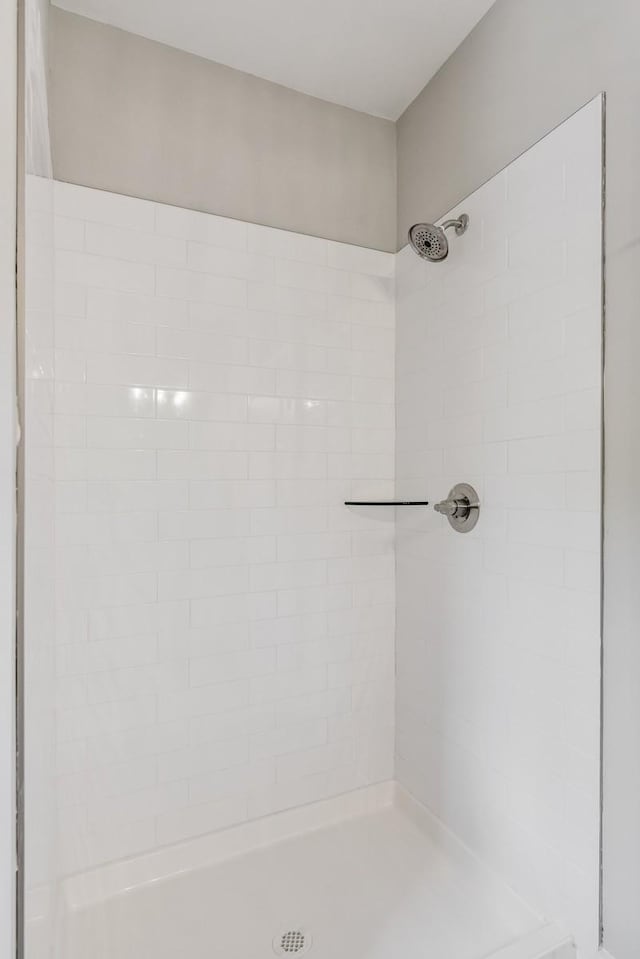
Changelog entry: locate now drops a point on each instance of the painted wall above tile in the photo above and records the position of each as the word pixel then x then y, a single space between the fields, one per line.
pixel 204 136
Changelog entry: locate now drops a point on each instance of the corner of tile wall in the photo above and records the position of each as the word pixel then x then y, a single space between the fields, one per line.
pixel 498 384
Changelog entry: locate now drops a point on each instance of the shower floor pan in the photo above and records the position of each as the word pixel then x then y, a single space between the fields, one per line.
pixel 369 875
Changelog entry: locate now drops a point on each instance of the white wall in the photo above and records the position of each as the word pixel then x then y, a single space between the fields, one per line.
pixel 498 631
pixel 8 118
pixel 142 118
pixel 225 624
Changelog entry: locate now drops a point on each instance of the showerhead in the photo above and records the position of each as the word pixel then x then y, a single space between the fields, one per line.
pixel 430 241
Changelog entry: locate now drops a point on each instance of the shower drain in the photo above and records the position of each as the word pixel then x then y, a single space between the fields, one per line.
pixel 291 942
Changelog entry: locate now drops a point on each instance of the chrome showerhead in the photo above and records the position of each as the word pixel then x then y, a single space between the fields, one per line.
pixel 430 241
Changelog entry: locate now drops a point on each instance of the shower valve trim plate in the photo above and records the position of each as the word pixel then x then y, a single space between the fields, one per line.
pixel 462 507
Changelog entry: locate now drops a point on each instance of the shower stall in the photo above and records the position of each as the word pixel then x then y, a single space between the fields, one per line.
pixel 272 700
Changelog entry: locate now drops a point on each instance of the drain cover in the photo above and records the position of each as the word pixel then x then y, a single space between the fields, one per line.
pixel 291 942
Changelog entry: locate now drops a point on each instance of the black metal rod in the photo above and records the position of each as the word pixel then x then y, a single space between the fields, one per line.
pixel 382 502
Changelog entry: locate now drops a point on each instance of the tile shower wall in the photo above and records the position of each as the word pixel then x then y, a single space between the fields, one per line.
pixel 39 563
pixel 225 624
pixel 498 637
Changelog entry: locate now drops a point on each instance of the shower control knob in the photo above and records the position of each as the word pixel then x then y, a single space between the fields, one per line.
pixel 462 507
pixel 452 507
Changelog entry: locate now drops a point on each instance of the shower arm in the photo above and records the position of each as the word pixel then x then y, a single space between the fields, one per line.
pixel 460 224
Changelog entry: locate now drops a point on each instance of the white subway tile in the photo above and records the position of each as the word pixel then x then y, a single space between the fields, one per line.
pixel 367 287
pixel 102 656
pixel 572 451
pixel 137 495
pixel 225 667
pixel 327 704
pixel 289 794
pixel 278 354
pixel 582 411
pixel 287 465
pixel 141 371
pixel 202 758
pixel 139 618
pixel 100 718
pixel 218 261
pixel 131 682
pixel 103 400
pixel 202 524
pixel 69 233
pixel 114 336
pixel 288 739
pixel 300 655
pixel 118 433
pixel 583 491
pixel 236 781
pixel 269 576
pixel 583 569
pixel 314 328
pixel 203 701
pixel 201 346
pixel 181 644
pixel 293 602
pixel 282 521
pixel 310 439
pixel 107 305
pixel 190 285
pixel 279 686
pixel 138 805
pixel 70 298
pixel 232 551
pixel 70 366
pixel 183 465
pixel 231 379
pixel 134 245
pixel 231 436
pixel 191 584
pixel 310 761
pixel 243 494
pixel 188 405
pixel 272 409
pixel 371 390
pixel 236 724
pixel 280 299
pixel 232 609
pixel 102 464
pixel 93 528
pixel 292 629
pixel 101 272
pixel 306 276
